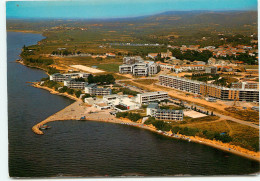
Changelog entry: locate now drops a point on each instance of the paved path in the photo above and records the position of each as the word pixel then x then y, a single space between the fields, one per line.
pixel 222 116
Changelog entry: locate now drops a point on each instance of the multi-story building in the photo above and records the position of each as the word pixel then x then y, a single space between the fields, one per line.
pixel 92 89
pixel 125 69
pixel 163 114
pixel 245 85
pixel 180 83
pixel 75 84
pixel 139 69
pixel 62 77
pixel 185 68
pixel 151 97
pixel 132 60
pixel 211 90
pixel 211 70
pixel 58 77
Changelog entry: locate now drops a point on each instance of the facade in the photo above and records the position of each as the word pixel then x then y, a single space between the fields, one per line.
pixel 245 85
pixel 185 68
pixel 132 60
pixel 58 77
pixel 168 114
pixel 75 84
pixel 139 69
pixel 211 70
pixel 62 77
pixel 125 69
pixel 211 90
pixel 151 97
pixel 92 89
pixel 163 114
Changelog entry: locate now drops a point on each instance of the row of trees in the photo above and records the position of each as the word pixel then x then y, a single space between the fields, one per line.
pixel 132 116
pixel 245 57
pixel 38 61
pixel 65 52
pixel 192 55
pixel 161 125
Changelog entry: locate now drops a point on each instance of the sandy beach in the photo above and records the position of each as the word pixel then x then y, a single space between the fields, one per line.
pixel 79 109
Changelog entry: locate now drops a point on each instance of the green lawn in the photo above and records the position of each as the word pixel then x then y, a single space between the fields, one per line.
pixel 109 67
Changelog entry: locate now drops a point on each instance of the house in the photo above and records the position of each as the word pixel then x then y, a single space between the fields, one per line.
pixel 110 55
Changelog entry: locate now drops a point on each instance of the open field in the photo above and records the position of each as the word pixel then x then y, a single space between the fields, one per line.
pixel 194 114
pixel 109 67
pixel 88 69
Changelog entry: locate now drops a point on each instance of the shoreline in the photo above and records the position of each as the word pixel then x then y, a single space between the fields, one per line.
pixel 25 31
pixel 103 116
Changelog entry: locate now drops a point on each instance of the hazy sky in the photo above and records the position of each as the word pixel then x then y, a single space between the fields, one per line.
pixel 116 8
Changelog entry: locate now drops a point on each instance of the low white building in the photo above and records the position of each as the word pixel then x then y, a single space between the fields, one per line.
pixel 92 89
pixel 139 69
pixel 151 97
pixel 164 114
pixel 124 100
pixel 75 84
pixel 57 77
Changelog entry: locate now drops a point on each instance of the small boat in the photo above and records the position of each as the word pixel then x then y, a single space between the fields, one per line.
pixel 83 118
pixel 45 127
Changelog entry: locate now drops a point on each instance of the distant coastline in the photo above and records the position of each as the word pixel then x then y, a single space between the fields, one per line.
pixel 25 31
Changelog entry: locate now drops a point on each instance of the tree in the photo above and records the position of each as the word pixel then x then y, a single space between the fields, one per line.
pixel 70 91
pixel 78 93
pixel 90 79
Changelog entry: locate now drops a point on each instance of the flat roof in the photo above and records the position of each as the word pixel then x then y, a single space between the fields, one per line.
pixel 153 93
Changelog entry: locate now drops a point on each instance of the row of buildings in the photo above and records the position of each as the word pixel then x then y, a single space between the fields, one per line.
pixel 126 103
pixel 70 80
pixel 246 92
pixel 58 77
pixel 138 67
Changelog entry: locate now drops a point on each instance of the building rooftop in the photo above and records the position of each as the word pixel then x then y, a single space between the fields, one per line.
pixel 153 93
pixel 170 111
pixel 153 106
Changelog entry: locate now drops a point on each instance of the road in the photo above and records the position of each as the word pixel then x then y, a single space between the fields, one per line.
pixel 222 116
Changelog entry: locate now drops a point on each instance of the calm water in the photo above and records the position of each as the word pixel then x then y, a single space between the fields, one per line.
pixel 85 148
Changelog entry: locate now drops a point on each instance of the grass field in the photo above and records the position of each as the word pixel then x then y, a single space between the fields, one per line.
pixel 110 67
pixel 146 81
pixel 242 135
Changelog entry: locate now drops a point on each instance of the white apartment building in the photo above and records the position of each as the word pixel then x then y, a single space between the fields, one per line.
pixel 62 77
pixel 183 84
pixel 132 60
pixel 151 97
pixel 75 84
pixel 140 69
pixel 92 89
pixel 163 114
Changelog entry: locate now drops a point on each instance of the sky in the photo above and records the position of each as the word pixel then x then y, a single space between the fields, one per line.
pixel 94 9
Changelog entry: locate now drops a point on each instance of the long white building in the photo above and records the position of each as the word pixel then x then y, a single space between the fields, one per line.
pixel 151 97
pixel 163 114
pixel 92 89
pixel 140 69
pixel 57 77
pixel 75 84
